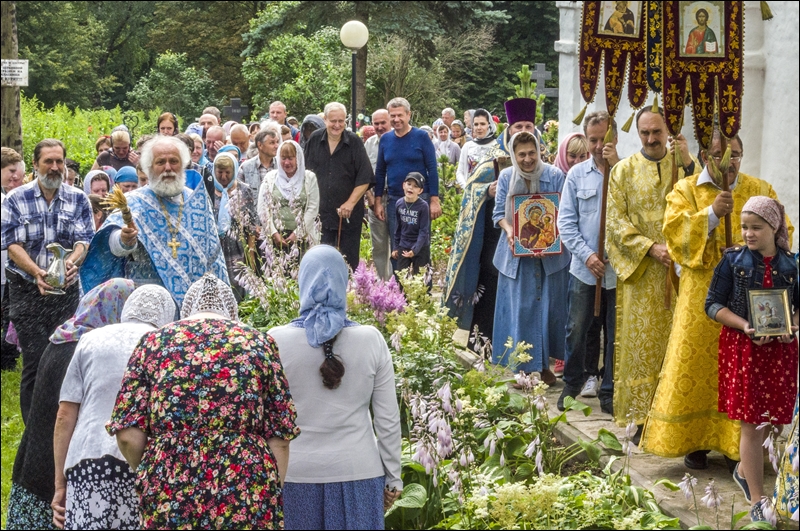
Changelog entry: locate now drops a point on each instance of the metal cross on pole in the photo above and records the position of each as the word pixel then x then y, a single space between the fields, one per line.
pixel 539 76
pixel 236 111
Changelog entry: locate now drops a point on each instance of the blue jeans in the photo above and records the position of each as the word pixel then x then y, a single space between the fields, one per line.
pixel 580 321
pixel 391 219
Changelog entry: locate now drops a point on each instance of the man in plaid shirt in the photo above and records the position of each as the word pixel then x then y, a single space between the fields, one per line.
pixel 35 215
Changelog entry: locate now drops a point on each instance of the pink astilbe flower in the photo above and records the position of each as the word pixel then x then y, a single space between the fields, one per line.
pixel 382 296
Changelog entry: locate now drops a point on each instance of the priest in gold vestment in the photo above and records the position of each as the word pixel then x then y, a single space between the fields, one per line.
pixel 683 419
pixel 637 192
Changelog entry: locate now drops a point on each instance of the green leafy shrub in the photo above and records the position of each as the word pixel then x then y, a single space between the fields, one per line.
pixel 78 129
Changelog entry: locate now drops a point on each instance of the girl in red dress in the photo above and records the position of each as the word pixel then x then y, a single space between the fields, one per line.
pixel 757 375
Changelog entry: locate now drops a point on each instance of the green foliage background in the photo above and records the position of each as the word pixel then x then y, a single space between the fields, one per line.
pixel 460 54
pixel 78 129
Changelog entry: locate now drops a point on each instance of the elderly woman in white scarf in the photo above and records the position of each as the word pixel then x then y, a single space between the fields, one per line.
pixel 235 212
pixel 288 201
pixel 530 291
pixel 445 146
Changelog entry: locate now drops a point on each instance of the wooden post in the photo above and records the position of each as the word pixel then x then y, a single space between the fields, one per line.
pixel 726 187
pixel 601 237
pixel 11 119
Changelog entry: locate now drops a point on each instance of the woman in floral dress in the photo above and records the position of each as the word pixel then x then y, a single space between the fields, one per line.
pixel 205 414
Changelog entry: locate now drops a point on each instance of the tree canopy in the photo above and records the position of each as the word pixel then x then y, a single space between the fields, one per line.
pixel 453 53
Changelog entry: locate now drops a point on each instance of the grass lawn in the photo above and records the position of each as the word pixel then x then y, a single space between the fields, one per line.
pixel 12 431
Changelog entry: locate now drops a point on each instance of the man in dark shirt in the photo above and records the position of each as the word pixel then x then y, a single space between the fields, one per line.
pixel 344 173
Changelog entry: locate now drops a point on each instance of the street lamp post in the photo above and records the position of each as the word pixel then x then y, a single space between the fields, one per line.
pixel 354 35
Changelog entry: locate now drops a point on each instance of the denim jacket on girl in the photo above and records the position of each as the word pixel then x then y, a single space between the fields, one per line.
pixel 740 269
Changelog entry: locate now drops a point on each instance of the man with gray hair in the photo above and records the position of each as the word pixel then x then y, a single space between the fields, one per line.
pixel 448 116
pixel 344 173
pixel 171 240
pixel 253 170
pixel 240 137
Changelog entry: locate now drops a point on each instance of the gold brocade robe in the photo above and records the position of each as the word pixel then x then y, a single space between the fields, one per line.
pixel 637 194
pixel 684 416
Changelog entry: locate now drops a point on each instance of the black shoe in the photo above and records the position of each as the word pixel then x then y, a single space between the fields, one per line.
pixel 696 460
pixel 564 394
pixel 607 407
pixel 637 437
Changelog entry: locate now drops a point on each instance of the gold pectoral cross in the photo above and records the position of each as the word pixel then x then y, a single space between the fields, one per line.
pixel 174 244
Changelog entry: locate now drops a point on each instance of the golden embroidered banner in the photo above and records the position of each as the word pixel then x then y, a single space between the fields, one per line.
pixel 703 49
pixel 654 51
pixel 612 35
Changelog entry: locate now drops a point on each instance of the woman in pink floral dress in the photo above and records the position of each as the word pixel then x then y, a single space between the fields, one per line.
pixel 205 417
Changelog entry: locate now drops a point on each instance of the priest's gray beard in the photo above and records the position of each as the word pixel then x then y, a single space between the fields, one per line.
pixel 51 180
pixel 169 188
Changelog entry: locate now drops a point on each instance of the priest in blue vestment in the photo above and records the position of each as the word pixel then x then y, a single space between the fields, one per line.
pixel 174 241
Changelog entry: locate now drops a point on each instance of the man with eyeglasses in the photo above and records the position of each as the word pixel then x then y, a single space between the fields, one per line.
pixel 683 418
pixel 637 189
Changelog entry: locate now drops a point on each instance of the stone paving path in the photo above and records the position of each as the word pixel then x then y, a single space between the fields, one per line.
pixel 647 469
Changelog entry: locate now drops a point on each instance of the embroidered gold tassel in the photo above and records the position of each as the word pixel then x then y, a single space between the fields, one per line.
pixel 609 134
pixel 714 171
pixel 678 158
pixel 725 163
pixel 654 108
pixel 627 125
pixel 766 12
pixel 579 119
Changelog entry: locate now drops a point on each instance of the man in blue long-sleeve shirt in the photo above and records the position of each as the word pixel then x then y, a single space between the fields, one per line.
pixel 579 225
pixel 404 150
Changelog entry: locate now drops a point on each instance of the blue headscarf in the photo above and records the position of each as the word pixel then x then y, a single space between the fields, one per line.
pixel 323 294
pixel 223 216
pixel 127 174
pixel 230 148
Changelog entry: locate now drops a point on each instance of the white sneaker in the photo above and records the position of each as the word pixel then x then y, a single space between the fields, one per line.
pixel 589 389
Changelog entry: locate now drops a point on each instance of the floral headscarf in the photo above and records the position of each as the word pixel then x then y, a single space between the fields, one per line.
pixel 773 213
pixel 101 306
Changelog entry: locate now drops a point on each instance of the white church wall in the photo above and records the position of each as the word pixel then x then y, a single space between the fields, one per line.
pixel 770 108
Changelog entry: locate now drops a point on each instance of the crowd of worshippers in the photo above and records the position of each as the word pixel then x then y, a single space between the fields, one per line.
pixel 672 353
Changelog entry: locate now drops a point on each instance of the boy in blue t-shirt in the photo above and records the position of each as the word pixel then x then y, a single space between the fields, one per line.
pixel 411 240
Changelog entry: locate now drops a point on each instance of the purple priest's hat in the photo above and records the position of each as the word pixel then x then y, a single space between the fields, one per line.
pixel 520 110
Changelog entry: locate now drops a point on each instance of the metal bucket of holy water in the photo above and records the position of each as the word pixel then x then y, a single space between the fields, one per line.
pixel 57 271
